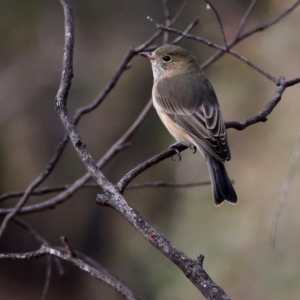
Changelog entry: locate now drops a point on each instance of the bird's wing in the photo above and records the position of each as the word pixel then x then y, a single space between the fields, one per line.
pixel 196 109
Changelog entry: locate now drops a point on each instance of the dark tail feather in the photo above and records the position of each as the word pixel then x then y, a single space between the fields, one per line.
pixel 221 185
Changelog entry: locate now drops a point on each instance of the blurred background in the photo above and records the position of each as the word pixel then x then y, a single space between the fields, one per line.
pixel 233 239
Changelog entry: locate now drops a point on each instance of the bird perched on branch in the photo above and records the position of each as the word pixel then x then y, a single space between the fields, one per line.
pixel 187 105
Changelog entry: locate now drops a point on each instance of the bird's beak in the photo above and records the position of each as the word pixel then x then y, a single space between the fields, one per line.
pixel 147 55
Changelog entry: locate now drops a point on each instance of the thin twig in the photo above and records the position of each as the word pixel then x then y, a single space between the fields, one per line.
pixel 44 191
pixel 187 30
pixel 285 190
pixel 244 19
pixel 49 190
pixel 167 20
pixel 39 238
pixel 67 246
pixel 164 184
pixel 241 37
pixel 180 11
pixel 219 22
pixel 223 49
pixel 273 21
pixel 42 241
pixel 31 230
pixel 47 278
pixel 37 192
pixel 262 115
pixel 30 189
pixel 146 165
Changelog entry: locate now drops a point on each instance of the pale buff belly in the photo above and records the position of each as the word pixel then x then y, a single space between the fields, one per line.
pixel 176 130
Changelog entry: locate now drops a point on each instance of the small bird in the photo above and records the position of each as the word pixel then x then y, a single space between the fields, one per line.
pixel 188 106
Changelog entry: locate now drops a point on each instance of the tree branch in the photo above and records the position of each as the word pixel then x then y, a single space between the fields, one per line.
pixel 146 165
pixel 245 19
pixel 193 269
pixel 99 274
pixel 29 190
pixel 262 115
pixel 219 22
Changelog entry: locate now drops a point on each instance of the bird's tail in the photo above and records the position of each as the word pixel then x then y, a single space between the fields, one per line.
pixel 221 185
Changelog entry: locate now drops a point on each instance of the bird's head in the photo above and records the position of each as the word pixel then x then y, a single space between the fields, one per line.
pixel 170 60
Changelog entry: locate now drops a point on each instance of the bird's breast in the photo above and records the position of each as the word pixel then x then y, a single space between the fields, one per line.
pixel 176 130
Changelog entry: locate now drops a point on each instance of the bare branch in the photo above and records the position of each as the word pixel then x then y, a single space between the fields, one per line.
pixel 42 241
pixel 47 278
pixel 31 230
pixel 146 165
pixel 187 30
pixel 91 270
pixel 38 192
pixel 69 254
pixel 31 188
pixel 167 20
pixel 61 101
pixel 180 11
pixel 244 19
pixel 193 269
pixel 262 115
pixel 67 246
pixel 219 22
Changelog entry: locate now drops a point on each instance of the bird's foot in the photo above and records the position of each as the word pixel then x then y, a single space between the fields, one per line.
pixel 174 148
pixel 194 148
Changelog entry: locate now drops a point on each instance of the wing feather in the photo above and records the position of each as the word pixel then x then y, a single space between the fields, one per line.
pixel 195 109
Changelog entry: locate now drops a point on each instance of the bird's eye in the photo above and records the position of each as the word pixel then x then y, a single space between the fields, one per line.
pixel 166 58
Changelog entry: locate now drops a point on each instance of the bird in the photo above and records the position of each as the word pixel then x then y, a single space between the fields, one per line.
pixel 188 107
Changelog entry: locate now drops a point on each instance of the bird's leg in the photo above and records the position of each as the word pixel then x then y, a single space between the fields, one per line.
pixel 174 148
pixel 194 148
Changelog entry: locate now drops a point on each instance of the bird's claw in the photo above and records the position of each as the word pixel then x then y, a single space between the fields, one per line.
pixel 174 148
pixel 194 148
